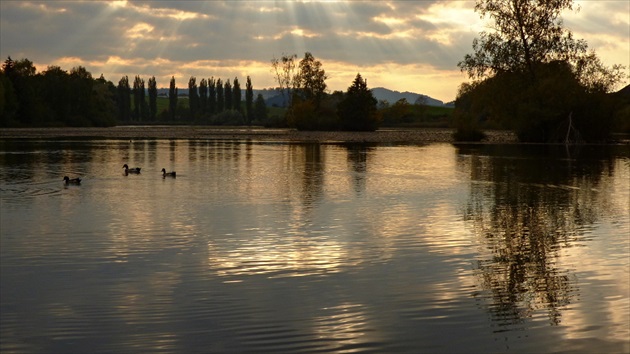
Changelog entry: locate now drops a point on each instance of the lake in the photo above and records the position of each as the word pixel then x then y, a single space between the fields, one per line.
pixel 271 246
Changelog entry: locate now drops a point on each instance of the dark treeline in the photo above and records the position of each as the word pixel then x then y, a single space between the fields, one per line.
pixel 56 97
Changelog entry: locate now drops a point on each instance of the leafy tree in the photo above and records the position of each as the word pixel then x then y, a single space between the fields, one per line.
pixel 397 113
pixel 220 96
pixel 103 112
pixel 24 68
pixel 21 73
pixel 172 98
pixel 305 110
pixel 284 70
pixel 54 97
pixel 249 100
pixel 56 93
pixel 311 79
pixel 81 84
pixel 152 88
pixel 236 95
pixel 516 61
pixel 357 110
pixel 8 102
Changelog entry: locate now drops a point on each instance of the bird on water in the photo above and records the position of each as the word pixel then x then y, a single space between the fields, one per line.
pixel 131 170
pixel 168 174
pixel 67 180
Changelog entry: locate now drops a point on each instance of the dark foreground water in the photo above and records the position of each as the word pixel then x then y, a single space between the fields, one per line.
pixel 277 247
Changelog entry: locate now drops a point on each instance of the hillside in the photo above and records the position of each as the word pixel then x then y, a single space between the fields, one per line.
pixel 392 96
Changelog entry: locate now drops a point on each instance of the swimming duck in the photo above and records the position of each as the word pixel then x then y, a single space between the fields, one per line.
pixel 67 180
pixel 131 170
pixel 168 174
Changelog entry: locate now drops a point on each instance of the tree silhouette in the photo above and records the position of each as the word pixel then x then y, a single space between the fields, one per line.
pixel 357 110
pixel 249 100
pixel 236 95
pixel 203 97
pixel 260 109
pixel 212 96
pixel 543 83
pixel 220 96
pixel 138 98
pixel 227 94
pixel 172 98
pixel 124 99
pixel 152 89
pixel 193 98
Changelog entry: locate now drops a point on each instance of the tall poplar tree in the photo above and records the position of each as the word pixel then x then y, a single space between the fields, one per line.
pixel 227 94
pixel 236 95
pixel 212 96
pixel 220 99
pixel 124 99
pixel 138 98
pixel 260 109
pixel 193 97
pixel 172 98
pixel 152 98
pixel 203 97
pixel 249 100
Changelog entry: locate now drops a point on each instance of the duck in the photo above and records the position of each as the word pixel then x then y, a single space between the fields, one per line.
pixel 168 174
pixel 131 170
pixel 67 180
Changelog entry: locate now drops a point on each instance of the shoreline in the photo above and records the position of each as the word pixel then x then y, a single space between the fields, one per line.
pixel 404 135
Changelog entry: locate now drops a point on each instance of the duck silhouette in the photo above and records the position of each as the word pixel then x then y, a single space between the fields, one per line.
pixel 131 170
pixel 168 174
pixel 67 180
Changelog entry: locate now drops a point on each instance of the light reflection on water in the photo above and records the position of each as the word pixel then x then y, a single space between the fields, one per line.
pixel 278 247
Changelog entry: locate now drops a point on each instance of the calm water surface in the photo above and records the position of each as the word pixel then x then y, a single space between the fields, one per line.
pixel 278 247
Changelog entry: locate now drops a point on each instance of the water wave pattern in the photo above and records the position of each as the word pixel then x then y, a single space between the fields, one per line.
pixel 309 248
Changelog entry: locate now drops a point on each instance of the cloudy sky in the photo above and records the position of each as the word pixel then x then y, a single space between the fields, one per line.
pixel 411 45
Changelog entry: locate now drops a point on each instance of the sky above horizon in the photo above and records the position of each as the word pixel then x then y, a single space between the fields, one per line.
pixel 411 45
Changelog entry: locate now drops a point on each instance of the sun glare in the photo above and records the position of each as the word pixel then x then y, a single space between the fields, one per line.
pixel 390 21
pixel 453 14
pixel 117 4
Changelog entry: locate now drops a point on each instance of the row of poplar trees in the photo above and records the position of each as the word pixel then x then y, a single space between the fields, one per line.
pixel 56 97
pixel 212 101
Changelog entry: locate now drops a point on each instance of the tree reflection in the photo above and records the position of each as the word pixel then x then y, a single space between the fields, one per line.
pixel 526 204
pixel 308 161
pixel 358 159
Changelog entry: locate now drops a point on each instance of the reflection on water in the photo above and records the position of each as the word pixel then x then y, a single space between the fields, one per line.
pixel 278 247
pixel 531 209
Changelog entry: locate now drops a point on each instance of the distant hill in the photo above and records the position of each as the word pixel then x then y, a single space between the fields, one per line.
pixel 392 96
